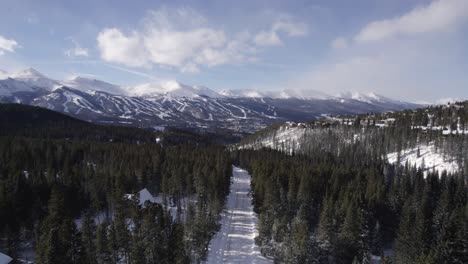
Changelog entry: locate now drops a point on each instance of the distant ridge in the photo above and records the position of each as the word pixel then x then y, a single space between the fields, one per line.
pixel 173 104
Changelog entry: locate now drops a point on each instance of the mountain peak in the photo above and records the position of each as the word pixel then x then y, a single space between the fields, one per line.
pixel 29 73
pixel 90 84
pixel 34 78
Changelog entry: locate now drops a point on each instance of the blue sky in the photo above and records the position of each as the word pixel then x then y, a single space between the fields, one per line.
pixel 408 49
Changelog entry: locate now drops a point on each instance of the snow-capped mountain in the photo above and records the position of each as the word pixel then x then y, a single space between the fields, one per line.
pixel 172 88
pixel 36 79
pixel 364 97
pixel 372 98
pixel 91 85
pixel 174 104
pixel 10 86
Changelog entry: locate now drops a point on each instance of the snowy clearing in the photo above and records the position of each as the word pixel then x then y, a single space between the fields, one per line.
pixel 285 138
pixel 235 241
pixel 428 158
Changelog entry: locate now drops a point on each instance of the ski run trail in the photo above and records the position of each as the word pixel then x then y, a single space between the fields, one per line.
pixel 234 242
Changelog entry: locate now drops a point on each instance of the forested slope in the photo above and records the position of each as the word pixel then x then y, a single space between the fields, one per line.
pixel 54 169
pixel 326 192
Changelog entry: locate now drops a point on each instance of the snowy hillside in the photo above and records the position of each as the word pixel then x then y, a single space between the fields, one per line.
pixel 36 79
pixel 10 86
pixel 287 138
pixel 90 85
pixel 425 157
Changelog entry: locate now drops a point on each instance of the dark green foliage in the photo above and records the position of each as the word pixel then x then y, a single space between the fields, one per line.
pixel 47 181
pixel 337 200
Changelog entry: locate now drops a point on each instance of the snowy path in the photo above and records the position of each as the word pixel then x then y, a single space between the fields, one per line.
pixel 234 243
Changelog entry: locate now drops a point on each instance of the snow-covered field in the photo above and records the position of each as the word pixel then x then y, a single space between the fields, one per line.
pixel 428 158
pixel 234 242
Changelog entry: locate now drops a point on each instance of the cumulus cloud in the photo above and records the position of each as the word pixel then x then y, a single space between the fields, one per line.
pixel 181 38
pixel 176 38
pixel 77 50
pixel 7 45
pixel 284 25
pixel 117 47
pixel 438 16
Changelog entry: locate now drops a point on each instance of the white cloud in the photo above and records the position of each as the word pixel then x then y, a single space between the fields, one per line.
pixel 177 38
pixel 119 48
pixel 8 45
pixel 439 16
pixel 181 38
pixel 284 25
pixel 268 38
pixel 339 43
pixel 76 51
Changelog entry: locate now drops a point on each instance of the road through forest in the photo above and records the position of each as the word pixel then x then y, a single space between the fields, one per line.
pixel 234 242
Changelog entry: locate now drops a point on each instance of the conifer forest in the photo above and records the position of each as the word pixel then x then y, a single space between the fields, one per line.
pixel 325 191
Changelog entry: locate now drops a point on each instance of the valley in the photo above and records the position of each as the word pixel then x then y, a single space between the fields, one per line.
pixel 290 193
pixel 234 132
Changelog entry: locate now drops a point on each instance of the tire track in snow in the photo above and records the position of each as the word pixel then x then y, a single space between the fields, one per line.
pixel 235 241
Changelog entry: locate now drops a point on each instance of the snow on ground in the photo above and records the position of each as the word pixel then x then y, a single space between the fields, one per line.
pixel 234 242
pixel 143 196
pixel 286 138
pixel 4 259
pixel 428 157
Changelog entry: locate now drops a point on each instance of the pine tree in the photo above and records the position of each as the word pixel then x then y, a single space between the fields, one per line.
pixel 59 238
pixel 103 254
pixel 88 229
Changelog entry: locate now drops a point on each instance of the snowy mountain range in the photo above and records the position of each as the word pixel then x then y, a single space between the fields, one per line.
pixel 171 103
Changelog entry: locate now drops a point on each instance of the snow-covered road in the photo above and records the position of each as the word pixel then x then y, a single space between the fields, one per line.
pixel 234 243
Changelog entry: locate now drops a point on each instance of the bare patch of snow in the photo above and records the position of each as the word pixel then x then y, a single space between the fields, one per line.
pixel 4 259
pixel 428 159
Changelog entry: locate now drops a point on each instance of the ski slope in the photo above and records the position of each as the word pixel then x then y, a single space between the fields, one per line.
pixel 234 242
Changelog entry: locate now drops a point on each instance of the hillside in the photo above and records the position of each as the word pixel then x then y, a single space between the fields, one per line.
pixel 438 132
pixel 373 188
pixel 38 122
pixel 60 171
